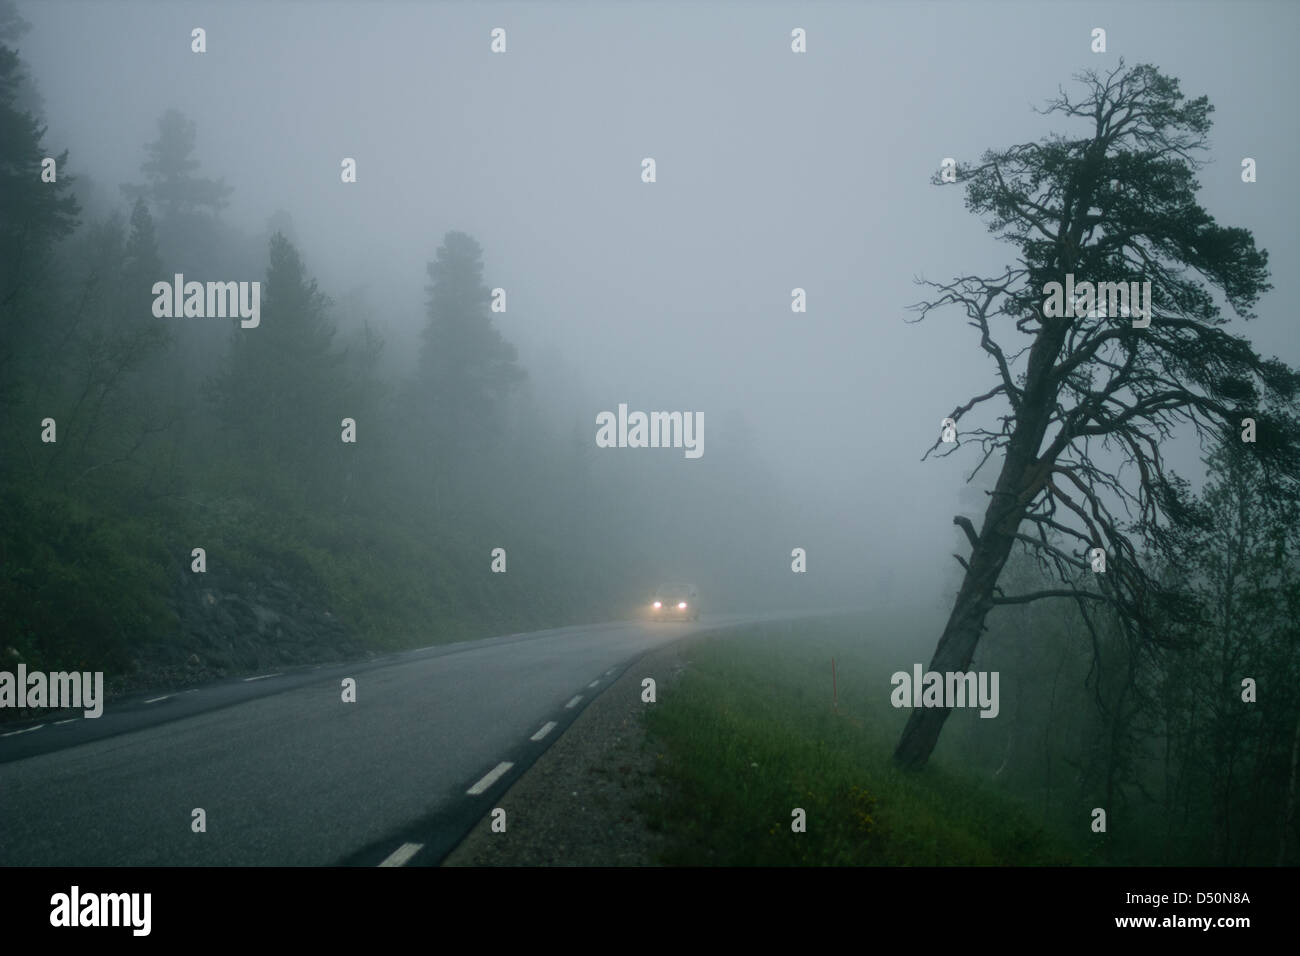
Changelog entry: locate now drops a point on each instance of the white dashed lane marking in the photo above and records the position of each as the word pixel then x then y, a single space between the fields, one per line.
pixel 546 729
pixel 403 853
pixel 492 777
pixel 261 677
pixel 15 733
pixel 593 683
pixel 573 703
pixel 154 700
pixel 68 721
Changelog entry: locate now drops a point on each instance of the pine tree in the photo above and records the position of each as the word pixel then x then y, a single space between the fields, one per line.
pixel 1114 204
pixel 170 184
pixel 466 368
pixel 34 216
pixel 275 391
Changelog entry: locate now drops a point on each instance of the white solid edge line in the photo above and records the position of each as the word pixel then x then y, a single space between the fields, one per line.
pixel 546 729
pixel 155 700
pixel 262 677
pixel 403 853
pixel 573 703
pixel 15 733
pixel 490 778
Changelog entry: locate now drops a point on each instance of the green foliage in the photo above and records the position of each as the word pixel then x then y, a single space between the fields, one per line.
pixel 1190 774
pixel 749 734
pixel 276 387
pixel 34 215
pixel 80 586
pixel 1229 763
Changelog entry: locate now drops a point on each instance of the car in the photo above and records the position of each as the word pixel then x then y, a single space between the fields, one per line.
pixel 675 602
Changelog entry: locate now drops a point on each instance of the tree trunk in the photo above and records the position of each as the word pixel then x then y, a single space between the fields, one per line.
pixel 966 623
pixel 1023 475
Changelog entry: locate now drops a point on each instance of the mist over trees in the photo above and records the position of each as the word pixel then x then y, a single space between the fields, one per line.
pixel 183 498
pixel 181 433
pixel 1190 745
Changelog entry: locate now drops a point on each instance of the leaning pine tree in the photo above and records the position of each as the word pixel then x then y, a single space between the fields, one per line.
pixel 1087 398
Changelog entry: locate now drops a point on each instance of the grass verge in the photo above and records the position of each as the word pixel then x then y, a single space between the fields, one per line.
pixel 748 735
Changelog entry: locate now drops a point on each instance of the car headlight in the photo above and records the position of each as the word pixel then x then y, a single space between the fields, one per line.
pixel 658 604
pixel 681 606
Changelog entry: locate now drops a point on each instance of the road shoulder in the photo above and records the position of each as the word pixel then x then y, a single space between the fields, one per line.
pixel 578 804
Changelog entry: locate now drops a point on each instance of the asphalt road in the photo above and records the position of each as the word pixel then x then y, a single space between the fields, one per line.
pixel 289 774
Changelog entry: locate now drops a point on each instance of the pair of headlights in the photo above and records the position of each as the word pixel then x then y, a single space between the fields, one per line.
pixel 681 605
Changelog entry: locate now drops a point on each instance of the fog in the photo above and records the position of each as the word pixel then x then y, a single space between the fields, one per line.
pixel 660 424
pixel 775 171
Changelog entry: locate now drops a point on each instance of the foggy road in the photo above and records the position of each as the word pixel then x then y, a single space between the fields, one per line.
pixel 288 774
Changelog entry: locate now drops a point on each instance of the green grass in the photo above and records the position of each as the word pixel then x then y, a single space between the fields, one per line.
pixel 748 734
pixel 88 583
pixel 79 584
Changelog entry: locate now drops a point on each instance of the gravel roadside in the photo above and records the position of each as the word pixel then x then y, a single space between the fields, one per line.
pixel 576 806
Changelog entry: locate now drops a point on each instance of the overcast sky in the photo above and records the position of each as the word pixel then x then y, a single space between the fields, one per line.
pixel 775 170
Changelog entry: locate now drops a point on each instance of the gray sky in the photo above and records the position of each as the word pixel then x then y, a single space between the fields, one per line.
pixel 775 170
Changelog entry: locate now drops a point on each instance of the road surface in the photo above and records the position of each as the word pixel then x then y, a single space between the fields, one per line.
pixel 288 774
